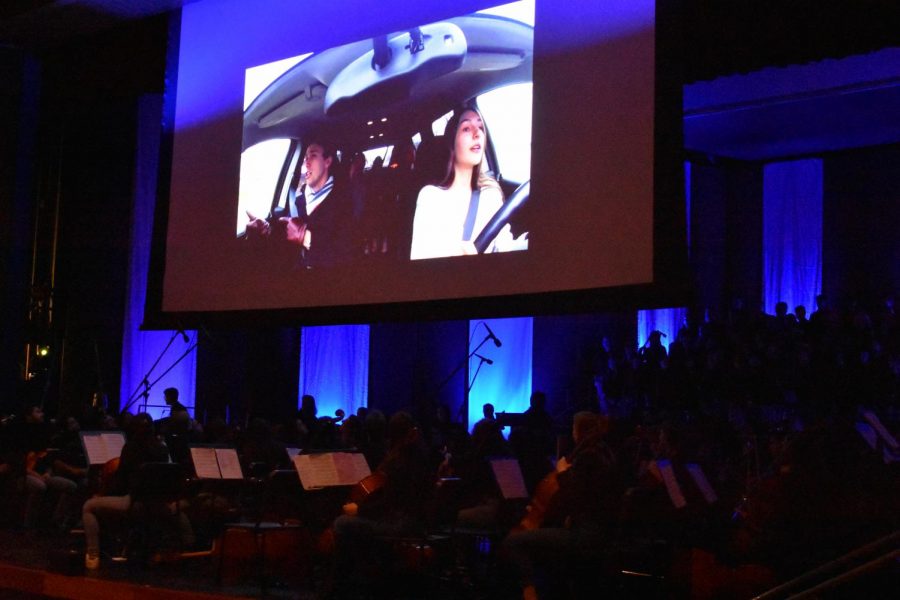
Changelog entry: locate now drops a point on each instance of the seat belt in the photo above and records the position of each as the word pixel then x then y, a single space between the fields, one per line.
pixel 469 225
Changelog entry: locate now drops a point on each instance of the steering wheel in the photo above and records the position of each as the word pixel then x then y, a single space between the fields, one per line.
pixel 515 201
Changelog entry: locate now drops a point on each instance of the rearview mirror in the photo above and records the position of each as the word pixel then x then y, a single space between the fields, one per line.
pixel 407 60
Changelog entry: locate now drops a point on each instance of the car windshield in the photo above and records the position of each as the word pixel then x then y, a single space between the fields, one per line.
pixel 508 112
pixel 522 11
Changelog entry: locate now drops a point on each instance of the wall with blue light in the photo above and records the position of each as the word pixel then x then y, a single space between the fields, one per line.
pixel 162 359
pixel 668 321
pixel 792 233
pixel 506 381
pixel 334 367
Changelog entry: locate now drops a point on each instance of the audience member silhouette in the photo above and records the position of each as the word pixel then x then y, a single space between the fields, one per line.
pixel 539 424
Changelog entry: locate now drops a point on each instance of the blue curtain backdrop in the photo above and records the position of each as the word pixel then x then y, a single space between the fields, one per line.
pixel 507 382
pixel 666 320
pixel 334 367
pixel 140 349
pixel 792 233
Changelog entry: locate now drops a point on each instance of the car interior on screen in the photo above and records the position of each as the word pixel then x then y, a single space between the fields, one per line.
pixel 381 106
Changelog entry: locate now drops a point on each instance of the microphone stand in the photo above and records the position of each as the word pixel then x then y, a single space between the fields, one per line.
pixel 146 384
pixel 481 361
pixel 464 408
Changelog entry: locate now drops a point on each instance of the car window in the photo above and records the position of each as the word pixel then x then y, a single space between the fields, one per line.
pixel 261 165
pixel 256 79
pixel 372 153
pixel 440 124
pixel 507 112
pixel 523 11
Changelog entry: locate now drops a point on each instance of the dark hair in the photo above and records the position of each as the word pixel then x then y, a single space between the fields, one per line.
pixel 308 404
pixel 400 428
pixel 140 429
pixel 480 179
pixel 328 150
pixel 585 424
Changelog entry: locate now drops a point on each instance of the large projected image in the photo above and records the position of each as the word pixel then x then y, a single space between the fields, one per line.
pixel 393 157
pixel 359 162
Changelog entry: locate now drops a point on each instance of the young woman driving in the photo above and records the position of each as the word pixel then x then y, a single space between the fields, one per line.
pixel 450 215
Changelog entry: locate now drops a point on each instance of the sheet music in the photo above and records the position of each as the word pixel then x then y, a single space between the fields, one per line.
pixel 350 467
pixel 94 449
pixel 205 464
pixel 316 470
pixel 875 422
pixel 668 477
pixel 114 442
pixel 361 468
pixel 229 463
pixel 102 447
pixel 509 477
pixel 702 482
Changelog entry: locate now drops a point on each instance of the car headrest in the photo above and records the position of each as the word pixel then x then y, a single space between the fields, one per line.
pixel 431 160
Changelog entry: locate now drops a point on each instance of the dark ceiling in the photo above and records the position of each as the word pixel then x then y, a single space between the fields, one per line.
pixel 721 36
pixel 95 45
pixel 39 25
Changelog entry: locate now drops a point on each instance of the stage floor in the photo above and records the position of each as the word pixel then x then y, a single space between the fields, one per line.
pixel 27 571
pixel 33 567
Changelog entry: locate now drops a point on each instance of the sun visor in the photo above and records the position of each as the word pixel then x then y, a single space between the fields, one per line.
pixel 406 60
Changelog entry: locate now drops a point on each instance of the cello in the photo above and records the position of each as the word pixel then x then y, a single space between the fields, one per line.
pixel 359 494
pixel 539 506
pixel 367 487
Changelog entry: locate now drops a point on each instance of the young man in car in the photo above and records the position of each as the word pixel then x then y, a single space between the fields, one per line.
pixel 318 220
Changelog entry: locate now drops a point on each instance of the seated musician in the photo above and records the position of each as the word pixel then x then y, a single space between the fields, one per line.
pixel 397 508
pixel 481 497
pixel 143 446
pixel 375 445
pixel 830 495
pixel 70 460
pixel 580 516
pixel 31 457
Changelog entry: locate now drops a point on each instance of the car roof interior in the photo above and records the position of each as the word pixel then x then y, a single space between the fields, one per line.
pixel 293 105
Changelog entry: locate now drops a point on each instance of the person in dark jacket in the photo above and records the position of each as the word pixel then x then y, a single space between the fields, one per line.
pixel 318 221
pixel 580 516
